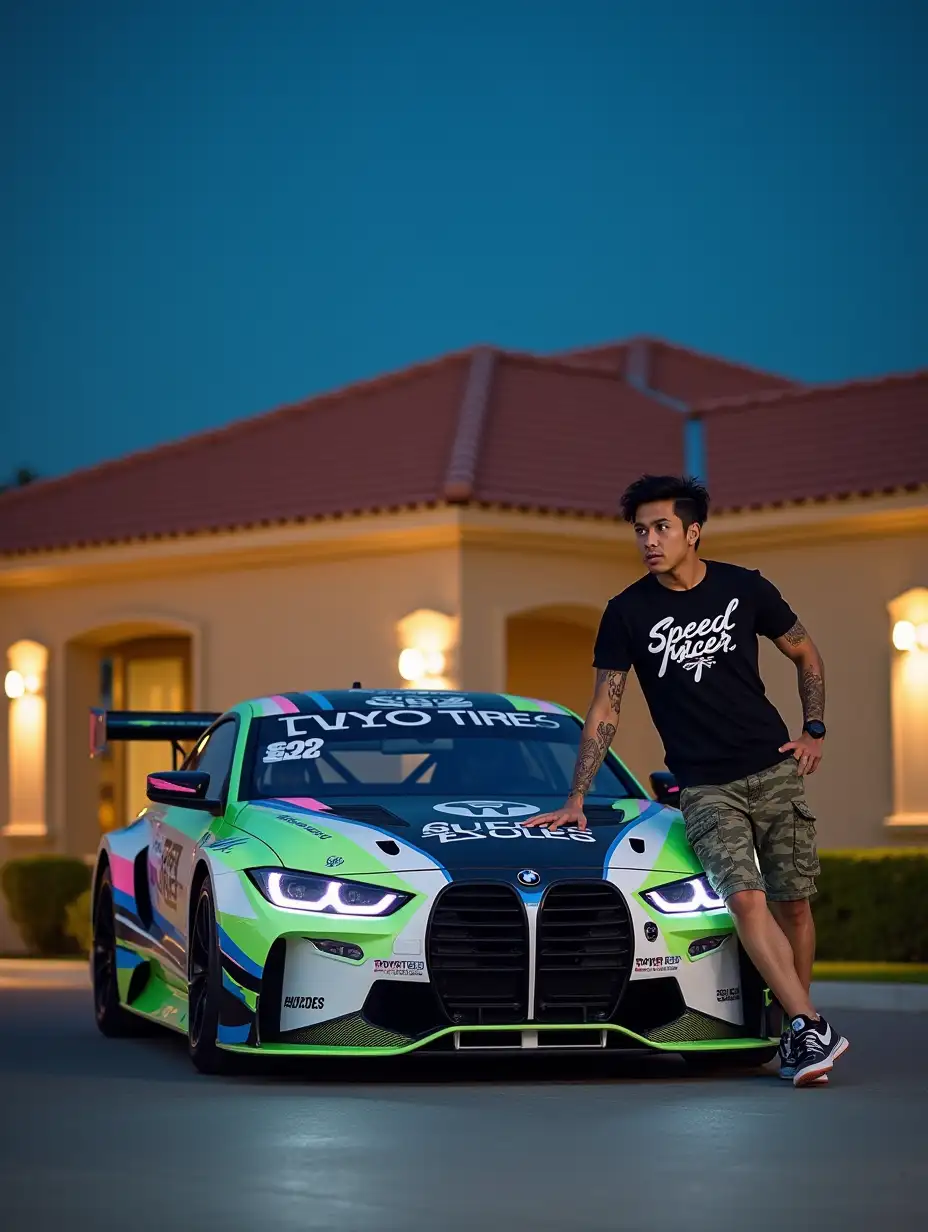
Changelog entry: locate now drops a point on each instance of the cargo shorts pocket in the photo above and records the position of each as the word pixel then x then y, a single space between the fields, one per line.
pixel 805 851
pixel 705 835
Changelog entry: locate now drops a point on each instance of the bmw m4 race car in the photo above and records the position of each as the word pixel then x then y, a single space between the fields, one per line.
pixel 350 873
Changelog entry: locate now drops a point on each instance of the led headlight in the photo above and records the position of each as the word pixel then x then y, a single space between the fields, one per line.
pixel 325 895
pixel 690 897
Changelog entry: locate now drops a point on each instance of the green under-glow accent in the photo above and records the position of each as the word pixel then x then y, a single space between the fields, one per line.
pixel 162 1003
pixel 724 1045
pixel 521 703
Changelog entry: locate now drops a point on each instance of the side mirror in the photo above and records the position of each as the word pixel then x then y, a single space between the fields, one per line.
pixel 665 787
pixel 183 789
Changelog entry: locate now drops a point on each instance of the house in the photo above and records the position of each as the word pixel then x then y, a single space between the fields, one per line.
pixel 455 525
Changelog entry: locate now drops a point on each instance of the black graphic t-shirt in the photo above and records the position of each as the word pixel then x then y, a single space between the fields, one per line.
pixel 695 654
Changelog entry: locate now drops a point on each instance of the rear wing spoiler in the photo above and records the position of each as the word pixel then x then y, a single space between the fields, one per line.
pixel 173 725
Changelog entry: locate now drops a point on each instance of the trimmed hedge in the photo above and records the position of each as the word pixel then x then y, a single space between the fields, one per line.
pixel 78 923
pixel 38 891
pixel 872 905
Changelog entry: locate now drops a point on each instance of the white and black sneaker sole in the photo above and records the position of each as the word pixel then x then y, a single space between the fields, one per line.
pixel 811 1074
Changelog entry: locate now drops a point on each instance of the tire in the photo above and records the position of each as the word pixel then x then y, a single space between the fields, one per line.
pixel 726 1062
pixel 204 989
pixel 113 1020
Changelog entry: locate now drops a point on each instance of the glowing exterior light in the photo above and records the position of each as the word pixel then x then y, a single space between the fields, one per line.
pixel 904 635
pixel 412 663
pixel 14 685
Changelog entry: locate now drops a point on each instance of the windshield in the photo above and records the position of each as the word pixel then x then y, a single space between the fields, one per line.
pixel 381 753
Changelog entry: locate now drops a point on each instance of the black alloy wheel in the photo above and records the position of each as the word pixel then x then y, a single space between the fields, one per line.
pixel 204 989
pixel 113 1019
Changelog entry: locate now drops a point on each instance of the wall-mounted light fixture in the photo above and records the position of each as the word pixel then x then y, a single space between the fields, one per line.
pixel 428 639
pixel 24 685
pixel 15 684
pixel 908 636
pixel 908 614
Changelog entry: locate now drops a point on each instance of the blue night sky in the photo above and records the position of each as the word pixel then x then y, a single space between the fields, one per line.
pixel 217 207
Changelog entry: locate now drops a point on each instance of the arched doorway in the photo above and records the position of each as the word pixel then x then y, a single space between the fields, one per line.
pixel 549 654
pixel 132 665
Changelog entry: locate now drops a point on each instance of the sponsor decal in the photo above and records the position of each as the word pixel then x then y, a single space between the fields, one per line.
pixel 651 931
pixel 167 873
pixel 303 825
pixel 652 965
pixel 221 844
pixel 486 808
pixel 693 646
pixel 304 1003
pixel 528 877
pixel 457 832
pixel 400 968
pixel 301 726
pixel 419 701
pixel 728 994
pixel 334 862
pixel 293 750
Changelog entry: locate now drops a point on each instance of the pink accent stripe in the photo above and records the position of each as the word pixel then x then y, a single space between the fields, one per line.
pixel 547 707
pixel 122 873
pixel 166 786
pixel 286 706
pixel 306 802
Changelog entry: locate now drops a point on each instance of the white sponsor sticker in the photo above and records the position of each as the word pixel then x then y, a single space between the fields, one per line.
pixel 399 969
pixel 302 725
pixel 456 832
pixel 293 750
pixel 484 809
pixel 657 966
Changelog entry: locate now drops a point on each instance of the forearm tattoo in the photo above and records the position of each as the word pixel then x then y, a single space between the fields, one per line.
pixel 812 693
pixel 615 683
pixel 796 634
pixel 592 752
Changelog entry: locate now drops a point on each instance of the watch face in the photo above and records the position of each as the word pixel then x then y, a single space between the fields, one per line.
pixel 815 729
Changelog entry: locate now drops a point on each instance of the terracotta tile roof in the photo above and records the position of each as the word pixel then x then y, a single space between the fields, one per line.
pixel 376 445
pixel 678 372
pixel 563 439
pixel 483 426
pixel 854 438
pixel 480 425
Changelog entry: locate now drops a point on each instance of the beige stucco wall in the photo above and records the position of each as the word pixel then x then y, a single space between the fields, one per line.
pixel 256 630
pixel 841 590
pixel 302 613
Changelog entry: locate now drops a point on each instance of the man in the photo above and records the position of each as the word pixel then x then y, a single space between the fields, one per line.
pixel 689 628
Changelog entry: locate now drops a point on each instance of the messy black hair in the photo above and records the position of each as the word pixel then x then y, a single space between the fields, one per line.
pixel 690 498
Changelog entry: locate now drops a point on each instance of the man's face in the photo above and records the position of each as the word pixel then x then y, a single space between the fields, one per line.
pixel 660 536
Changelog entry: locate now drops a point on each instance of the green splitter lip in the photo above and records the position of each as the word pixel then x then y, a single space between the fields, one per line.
pixel 740 1044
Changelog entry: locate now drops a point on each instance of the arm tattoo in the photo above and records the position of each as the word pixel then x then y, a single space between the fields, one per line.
pixel 796 634
pixel 592 752
pixel 812 692
pixel 615 682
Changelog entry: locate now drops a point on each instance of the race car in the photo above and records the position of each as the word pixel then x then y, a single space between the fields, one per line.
pixel 350 873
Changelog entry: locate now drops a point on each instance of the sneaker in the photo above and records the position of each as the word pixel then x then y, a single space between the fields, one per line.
pixel 817 1047
pixel 788 1058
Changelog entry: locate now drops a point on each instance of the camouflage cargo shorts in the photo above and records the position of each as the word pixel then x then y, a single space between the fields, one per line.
pixel 766 812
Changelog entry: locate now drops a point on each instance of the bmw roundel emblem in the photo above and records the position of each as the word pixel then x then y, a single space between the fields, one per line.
pixel 528 877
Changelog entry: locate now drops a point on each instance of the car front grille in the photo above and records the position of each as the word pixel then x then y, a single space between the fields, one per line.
pixel 583 952
pixel 478 954
pixel 478 951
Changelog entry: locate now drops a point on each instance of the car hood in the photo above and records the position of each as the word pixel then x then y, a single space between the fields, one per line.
pixel 363 837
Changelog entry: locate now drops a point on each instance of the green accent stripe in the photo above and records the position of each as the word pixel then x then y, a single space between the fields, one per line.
pixel 716 1045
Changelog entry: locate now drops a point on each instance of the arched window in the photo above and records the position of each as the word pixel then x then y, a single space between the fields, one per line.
pixel 909 683
pixel 24 685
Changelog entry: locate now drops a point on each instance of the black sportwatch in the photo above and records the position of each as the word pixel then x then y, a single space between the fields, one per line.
pixel 815 728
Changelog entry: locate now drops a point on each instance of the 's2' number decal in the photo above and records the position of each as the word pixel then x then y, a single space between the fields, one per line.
pixel 293 750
